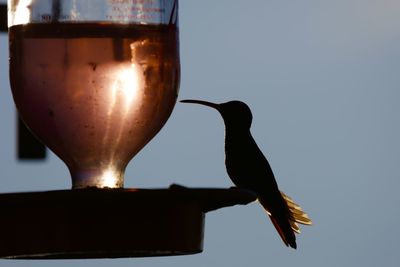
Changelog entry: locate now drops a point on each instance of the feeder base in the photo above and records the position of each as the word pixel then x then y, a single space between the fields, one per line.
pixel 109 223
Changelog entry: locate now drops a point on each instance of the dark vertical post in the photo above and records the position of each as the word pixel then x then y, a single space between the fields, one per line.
pixel 28 146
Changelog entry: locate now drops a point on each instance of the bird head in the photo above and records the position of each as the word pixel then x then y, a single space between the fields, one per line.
pixel 236 114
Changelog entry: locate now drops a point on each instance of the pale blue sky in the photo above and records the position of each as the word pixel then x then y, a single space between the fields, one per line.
pixel 323 81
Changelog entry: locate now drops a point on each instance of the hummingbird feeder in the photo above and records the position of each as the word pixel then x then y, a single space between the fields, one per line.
pixel 95 83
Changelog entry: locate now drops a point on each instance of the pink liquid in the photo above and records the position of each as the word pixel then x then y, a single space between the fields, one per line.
pixel 94 93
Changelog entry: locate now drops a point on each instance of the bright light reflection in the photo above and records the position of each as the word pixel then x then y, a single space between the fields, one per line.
pixel 110 178
pixel 22 13
pixel 127 82
pixel 128 79
pixel 125 96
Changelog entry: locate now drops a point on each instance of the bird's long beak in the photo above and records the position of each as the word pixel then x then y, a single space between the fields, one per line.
pixel 201 102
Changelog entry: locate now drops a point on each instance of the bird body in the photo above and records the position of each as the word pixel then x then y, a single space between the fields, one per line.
pixel 248 168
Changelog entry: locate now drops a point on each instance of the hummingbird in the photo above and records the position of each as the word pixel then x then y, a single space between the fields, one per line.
pixel 249 169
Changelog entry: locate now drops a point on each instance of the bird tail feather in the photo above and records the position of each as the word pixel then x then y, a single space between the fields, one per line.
pixel 282 233
pixel 286 224
pixel 297 215
pixel 281 218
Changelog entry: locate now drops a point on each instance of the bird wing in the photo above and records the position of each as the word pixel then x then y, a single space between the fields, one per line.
pixel 297 215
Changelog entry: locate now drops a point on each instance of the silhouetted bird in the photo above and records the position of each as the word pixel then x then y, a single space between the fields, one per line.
pixel 248 168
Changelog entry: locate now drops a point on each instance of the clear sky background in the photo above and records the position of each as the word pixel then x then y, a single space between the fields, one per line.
pixel 323 81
